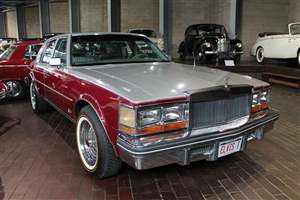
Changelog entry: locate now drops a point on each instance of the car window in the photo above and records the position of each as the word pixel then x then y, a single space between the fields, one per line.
pixel 8 53
pixel 48 52
pixel 32 50
pixel 107 49
pixel 60 50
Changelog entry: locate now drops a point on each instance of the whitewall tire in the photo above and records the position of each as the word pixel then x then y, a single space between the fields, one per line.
pixel 96 152
pixel 260 58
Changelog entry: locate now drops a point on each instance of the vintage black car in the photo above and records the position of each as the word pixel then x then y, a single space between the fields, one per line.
pixel 210 42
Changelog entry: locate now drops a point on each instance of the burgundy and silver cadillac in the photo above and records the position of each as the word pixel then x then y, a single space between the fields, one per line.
pixel 131 104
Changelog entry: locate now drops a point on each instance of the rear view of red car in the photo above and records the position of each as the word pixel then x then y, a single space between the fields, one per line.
pixel 15 65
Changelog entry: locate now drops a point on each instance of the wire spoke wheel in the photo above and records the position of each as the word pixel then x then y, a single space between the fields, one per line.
pixel 87 143
pixel 14 88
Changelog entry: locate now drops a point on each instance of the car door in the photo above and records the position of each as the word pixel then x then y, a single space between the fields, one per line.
pixel 279 46
pixel 41 68
pixel 56 79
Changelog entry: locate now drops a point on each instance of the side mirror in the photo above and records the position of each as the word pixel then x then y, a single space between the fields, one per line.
pixel 56 62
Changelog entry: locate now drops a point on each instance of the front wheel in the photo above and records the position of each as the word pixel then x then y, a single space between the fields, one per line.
pixel 15 89
pixel 237 60
pixel 260 55
pixel 96 153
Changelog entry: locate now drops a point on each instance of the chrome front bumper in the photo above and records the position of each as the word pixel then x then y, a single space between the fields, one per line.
pixel 190 149
pixel 234 53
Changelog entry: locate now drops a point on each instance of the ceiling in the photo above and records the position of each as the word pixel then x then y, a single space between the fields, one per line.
pixel 6 5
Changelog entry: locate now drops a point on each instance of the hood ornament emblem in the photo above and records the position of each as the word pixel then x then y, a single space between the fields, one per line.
pixel 226 80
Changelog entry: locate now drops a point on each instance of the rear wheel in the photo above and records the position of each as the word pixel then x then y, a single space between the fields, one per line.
pixel 38 104
pixel 260 55
pixel 96 153
pixel 237 60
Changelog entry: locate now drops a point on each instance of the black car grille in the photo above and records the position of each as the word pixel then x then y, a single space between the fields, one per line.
pixel 223 45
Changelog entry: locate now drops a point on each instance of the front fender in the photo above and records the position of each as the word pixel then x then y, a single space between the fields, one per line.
pixel 95 104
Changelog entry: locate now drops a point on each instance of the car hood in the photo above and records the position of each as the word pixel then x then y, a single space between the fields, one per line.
pixel 143 82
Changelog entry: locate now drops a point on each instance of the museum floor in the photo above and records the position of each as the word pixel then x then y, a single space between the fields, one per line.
pixel 38 160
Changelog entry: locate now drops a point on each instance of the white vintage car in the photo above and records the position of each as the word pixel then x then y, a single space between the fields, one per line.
pixel 278 45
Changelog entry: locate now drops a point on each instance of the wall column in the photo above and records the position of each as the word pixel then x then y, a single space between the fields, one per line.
pixel 165 22
pixel 2 25
pixel 21 29
pixel 114 15
pixel 74 15
pixel 233 19
pixel 44 17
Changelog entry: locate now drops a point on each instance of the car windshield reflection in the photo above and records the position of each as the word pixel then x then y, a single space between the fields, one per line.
pixel 106 49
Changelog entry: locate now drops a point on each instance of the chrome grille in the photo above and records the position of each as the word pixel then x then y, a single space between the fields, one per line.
pixel 222 113
pixel 223 45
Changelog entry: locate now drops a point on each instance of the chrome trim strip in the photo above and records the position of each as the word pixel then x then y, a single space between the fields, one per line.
pixel 198 142
pixel 68 98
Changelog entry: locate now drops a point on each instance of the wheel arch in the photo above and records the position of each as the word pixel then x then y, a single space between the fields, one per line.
pixel 87 100
pixel 256 50
pixel 298 52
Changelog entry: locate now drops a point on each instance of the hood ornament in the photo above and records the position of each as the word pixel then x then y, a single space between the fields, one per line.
pixel 226 80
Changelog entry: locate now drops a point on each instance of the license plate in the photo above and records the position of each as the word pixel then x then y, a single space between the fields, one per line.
pixel 229 147
pixel 229 63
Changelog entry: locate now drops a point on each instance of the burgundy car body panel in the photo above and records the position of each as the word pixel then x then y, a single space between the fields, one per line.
pixel 66 91
pixel 17 67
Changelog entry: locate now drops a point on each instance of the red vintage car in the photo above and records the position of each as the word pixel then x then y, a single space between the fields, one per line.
pixel 15 65
pixel 131 103
pixel 2 91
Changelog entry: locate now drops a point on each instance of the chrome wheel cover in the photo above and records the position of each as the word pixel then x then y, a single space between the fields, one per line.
pixel 32 96
pixel 299 58
pixel 14 88
pixel 87 143
pixel 260 55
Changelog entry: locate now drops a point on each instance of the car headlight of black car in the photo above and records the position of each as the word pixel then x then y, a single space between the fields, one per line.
pixel 207 44
pixel 239 45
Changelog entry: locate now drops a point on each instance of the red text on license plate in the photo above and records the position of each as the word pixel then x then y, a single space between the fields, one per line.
pixel 229 147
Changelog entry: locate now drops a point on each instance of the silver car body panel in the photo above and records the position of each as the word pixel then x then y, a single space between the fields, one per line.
pixel 143 82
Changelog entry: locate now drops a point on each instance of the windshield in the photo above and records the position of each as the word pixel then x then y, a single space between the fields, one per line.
pixel 106 49
pixel 211 29
pixel 8 53
pixel 148 33
pixel 295 29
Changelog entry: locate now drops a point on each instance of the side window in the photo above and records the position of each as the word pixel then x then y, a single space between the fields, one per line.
pixel 60 50
pixel 32 51
pixel 47 54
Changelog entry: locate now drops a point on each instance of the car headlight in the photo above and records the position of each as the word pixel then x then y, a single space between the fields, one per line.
pixel 260 100
pixel 207 44
pixel 149 117
pixel 153 120
pixel 239 45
